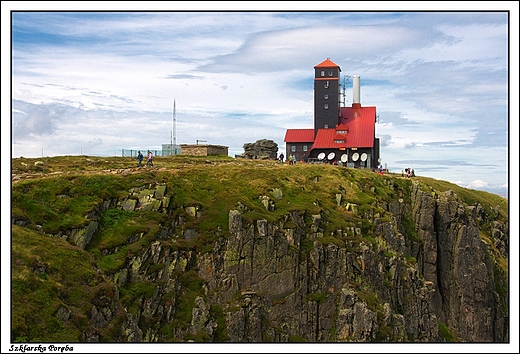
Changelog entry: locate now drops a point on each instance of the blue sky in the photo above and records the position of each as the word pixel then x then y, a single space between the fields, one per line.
pixel 95 83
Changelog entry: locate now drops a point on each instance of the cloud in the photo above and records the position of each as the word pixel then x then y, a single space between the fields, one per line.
pixel 477 184
pixel 184 76
pixel 384 139
pixel 300 45
pixel 107 81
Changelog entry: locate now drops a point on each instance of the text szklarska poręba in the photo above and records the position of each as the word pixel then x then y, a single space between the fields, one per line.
pixel 26 348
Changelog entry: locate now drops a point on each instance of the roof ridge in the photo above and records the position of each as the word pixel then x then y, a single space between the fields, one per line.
pixel 327 64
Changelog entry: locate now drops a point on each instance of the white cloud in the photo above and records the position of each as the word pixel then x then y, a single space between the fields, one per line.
pixel 477 184
pixel 438 80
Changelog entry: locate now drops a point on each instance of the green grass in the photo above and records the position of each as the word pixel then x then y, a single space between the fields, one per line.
pixel 72 190
pixel 68 279
pixel 446 333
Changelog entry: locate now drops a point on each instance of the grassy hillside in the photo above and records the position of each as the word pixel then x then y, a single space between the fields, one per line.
pixel 66 191
pixel 42 194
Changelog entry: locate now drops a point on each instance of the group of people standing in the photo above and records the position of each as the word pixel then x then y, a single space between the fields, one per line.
pixel 407 172
pixel 292 158
pixel 140 157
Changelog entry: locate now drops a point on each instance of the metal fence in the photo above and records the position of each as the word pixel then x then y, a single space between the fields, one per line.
pixel 133 152
pixel 166 151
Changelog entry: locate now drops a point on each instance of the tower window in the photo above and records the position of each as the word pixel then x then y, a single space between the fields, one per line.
pixel 330 73
pixel 326 106
pixel 326 96
pixel 326 84
pixel 322 73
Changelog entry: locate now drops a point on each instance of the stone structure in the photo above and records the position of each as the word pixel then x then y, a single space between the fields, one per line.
pixel 261 149
pixel 203 150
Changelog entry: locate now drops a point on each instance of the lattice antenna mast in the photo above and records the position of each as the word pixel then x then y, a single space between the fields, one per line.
pixel 174 133
pixel 346 80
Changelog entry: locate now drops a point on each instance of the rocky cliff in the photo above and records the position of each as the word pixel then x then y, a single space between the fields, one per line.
pixel 419 265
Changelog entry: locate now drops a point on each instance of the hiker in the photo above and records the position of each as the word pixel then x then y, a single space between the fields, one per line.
pixel 281 157
pixel 150 157
pixel 290 159
pixel 139 159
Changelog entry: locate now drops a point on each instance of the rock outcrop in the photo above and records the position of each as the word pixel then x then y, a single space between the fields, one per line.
pixel 425 269
pixel 261 149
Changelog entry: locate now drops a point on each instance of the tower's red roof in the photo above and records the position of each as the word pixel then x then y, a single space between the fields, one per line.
pixel 327 64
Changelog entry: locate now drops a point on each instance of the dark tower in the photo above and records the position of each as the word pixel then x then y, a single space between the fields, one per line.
pixel 326 95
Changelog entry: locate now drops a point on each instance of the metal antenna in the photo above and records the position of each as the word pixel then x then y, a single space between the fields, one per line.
pixel 346 79
pixel 174 133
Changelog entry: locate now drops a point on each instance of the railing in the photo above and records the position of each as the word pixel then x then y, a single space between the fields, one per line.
pixel 133 152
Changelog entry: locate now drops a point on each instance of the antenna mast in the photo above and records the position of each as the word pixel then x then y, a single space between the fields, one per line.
pixel 346 79
pixel 174 133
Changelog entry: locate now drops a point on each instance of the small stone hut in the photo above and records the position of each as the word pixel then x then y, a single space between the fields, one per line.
pixel 203 150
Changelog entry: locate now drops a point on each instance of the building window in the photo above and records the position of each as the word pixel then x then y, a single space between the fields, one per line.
pixel 326 96
pixel 304 147
pixel 341 131
pixel 322 73
pixel 326 106
pixel 330 73
pixel 339 141
pixel 293 148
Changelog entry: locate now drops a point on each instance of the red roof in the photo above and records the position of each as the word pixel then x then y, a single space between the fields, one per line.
pixel 359 122
pixel 327 64
pixel 299 136
pixel 326 137
pixel 341 127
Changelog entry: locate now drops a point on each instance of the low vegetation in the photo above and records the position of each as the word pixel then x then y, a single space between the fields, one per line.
pixel 64 193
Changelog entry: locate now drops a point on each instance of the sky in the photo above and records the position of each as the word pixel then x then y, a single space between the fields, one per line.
pixel 96 82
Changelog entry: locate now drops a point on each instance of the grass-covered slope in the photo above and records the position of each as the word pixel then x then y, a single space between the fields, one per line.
pixel 65 192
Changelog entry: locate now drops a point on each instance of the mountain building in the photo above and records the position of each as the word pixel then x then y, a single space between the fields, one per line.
pixel 341 134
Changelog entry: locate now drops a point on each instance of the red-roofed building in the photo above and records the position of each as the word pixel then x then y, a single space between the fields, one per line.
pixel 341 134
pixel 301 142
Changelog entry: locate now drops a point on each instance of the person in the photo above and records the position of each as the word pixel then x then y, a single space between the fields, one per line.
pixel 139 159
pixel 150 157
pixel 290 159
pixel 281 157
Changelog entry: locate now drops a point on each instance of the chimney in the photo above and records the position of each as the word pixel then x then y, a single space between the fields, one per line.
pixel 356 91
